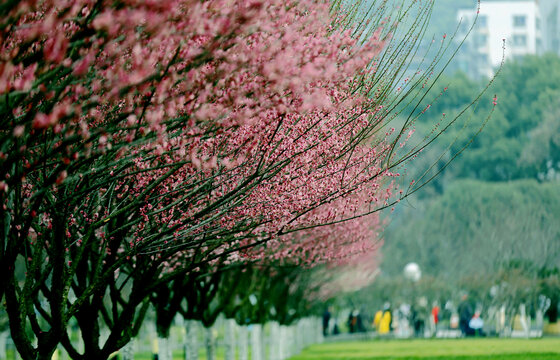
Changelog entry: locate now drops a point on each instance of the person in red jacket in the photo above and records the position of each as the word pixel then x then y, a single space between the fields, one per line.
pixel 435 317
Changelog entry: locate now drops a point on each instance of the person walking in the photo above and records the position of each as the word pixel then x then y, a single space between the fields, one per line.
pixel 377 320
pixel 465 315
pixel 326 319
pixel 385 323
pixel 434 320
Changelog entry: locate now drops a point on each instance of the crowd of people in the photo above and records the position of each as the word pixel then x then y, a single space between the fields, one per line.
pixel 410 320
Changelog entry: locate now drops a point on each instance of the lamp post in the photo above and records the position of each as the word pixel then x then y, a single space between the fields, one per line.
pixel 412 272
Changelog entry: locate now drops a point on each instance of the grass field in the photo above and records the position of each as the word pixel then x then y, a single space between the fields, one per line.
pixel 457 349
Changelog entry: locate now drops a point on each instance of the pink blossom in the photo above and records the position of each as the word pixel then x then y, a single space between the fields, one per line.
pixel 41 121
pixel 82 65
pixel 61 177
pixel 55 48
pixel 19 131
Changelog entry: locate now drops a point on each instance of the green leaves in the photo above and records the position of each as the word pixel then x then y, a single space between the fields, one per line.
pixel 477 227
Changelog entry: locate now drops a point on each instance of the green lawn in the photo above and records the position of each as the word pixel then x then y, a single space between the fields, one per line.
pixel 456 349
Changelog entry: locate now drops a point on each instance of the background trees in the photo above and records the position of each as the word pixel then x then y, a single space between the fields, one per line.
pixel 480 227
pixel 489 218
pixel 514 144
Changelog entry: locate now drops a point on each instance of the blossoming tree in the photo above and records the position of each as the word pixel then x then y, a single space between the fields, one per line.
pixel 144 139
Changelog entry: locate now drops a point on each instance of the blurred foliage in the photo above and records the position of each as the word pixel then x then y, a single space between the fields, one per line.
pixel 488 223
pixel 522 138
pixel 477 226
pixel 396 290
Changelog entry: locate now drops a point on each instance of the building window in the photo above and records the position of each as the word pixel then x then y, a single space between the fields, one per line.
pixel 520 21
pixel 519 40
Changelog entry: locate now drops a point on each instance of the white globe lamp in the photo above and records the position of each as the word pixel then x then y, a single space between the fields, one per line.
pixel 412 271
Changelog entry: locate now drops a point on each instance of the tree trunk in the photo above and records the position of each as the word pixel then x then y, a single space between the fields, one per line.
pixel 243 343
pixel 230 339
pixel 299 335
pixel 191 343
pixel 501 320
pixel 525 324
pixel 539 318
pixel 283 342
pixel 319 331
pixel 164 348
pixel 256 342
pixel 210 344
pixel 290 341
pixel 274 341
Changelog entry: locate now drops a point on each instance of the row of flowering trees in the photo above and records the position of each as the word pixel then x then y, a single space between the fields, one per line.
pixel 146 144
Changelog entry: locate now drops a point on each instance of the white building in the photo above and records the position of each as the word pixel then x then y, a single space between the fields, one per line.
pixel 550 25
pixel 518 22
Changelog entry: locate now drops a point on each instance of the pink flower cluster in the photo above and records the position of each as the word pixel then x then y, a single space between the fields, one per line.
pixel 261 108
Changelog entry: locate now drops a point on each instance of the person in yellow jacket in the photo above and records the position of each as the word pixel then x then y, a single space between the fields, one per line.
pixel 377 319
pixel 385 322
